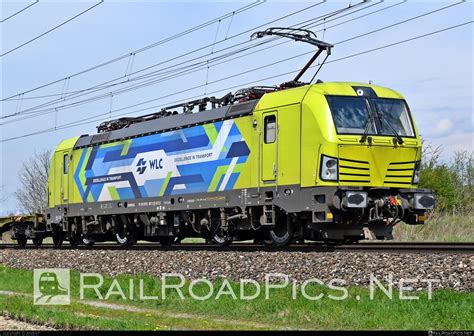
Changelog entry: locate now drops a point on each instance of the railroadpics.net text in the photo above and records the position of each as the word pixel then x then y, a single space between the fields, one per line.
pixel 53 286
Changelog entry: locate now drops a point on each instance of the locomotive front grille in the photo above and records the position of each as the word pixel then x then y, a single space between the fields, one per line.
pixel 354 171
pixel 400 173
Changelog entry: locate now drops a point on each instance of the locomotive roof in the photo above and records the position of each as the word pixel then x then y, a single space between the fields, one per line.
pixel 171 122
pixel 269 100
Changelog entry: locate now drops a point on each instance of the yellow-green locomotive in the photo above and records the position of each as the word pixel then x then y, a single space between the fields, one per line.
pixel 328 161
pixel 331 162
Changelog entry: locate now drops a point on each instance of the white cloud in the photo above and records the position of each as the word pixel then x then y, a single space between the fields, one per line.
pixel 443 126
pixel 452 142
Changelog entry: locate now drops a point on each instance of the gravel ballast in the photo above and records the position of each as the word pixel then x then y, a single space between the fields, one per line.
pixel 355 268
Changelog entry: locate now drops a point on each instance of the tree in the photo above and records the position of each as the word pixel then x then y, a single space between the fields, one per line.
pixel 33 195
pixel 451 182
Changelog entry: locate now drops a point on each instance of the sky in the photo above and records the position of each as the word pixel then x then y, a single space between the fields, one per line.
pixel 434 73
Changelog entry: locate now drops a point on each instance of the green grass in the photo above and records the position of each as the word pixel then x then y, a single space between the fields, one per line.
pixel 81 316
pixel 448 310
pixel 439 227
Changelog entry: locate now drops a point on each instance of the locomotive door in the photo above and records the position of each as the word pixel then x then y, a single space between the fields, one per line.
pixel 269 146
pixel 65 177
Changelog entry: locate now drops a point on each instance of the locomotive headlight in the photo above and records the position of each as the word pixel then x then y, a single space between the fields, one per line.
pixel 423 201
pixel 416 173
pixel 355 199
pixel 328 168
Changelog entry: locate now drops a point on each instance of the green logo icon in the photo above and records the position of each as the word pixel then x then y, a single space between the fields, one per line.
pixel 51 286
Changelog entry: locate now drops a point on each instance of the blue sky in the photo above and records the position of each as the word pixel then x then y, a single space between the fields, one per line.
pixel 434 73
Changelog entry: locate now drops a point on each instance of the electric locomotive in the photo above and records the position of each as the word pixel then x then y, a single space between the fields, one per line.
pixel 332 162
pixel 328 161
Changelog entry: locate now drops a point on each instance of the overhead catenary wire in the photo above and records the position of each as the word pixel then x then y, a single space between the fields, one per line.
pixel 156 64
pixel 170 38
pixel 20 11
pixel 251 70
pixel 212 51
pixel 89 120
pixel 119 91
pixel 52 29
pixel 168 69
pixel 244 55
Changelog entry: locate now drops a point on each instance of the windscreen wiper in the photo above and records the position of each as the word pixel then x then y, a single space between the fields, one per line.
pixel 366 132
pixel 370 120
pixel 399 139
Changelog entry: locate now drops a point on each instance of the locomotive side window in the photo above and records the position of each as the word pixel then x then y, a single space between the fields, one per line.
pixel 65 163
pixel 270 129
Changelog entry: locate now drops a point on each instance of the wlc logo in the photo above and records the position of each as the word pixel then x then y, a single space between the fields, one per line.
pixel 155 164
pixel 51 286
pixel 141 166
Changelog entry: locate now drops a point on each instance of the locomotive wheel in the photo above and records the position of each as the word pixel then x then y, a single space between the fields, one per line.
pixel 220 238
pixel 38 241
pixel 87 240
pixel 124 238
pixel 281 234
pixel 21 240
pixel 267 242
pixel 123 235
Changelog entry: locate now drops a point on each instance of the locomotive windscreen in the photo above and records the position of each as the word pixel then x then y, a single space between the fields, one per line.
pixel 373 116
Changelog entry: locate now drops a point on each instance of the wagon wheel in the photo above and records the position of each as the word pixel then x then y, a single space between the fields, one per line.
pixel 282 233
pixel 58 237
pixel 74 239
pixel 38 240
pixel 21 240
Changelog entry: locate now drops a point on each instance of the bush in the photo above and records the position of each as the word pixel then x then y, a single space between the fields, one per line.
pixel 451 182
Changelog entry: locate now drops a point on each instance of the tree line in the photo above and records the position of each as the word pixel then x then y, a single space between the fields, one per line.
pixel 452 182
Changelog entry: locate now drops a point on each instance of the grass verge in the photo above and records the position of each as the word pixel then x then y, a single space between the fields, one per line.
pixel 447 310
pixel 439 227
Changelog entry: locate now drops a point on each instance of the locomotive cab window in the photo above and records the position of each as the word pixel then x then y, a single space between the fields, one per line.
pixel 65 164
pixel 373 116
pixel 350 114
pixel 270 129
pixel 394 117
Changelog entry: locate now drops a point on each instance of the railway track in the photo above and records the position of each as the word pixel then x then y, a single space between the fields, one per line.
pixel 419 247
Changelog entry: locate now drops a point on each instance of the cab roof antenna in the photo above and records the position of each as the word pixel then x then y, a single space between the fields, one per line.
pixel 302 35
